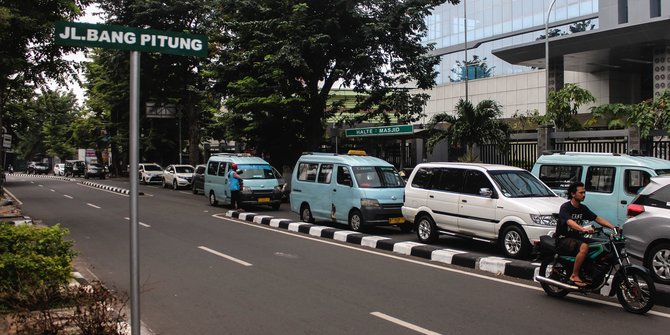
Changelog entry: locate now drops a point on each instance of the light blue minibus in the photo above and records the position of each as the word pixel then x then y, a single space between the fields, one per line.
pixel 261 182
pixel 357 190
pixel 611 180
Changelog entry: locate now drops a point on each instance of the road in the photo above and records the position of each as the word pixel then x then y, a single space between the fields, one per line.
pixel 202 273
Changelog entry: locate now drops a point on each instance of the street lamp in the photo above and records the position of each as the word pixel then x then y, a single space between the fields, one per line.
pixel 546 56
pixel 179 115
pixel 465 26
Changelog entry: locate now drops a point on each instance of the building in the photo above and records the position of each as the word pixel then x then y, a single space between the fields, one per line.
pixel 619 50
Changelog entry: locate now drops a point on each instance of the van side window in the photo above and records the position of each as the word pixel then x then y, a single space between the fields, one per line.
pixel 422 178
pixel 635 180
pixel 560 176
pixel 212 168
pixel 325 173
pixel 600 179
pixel 307 171
pixel 222 168
pixel 343 176
pixel 449 180
pixel 475 180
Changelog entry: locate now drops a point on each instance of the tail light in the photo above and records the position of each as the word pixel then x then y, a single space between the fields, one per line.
pixel 634 210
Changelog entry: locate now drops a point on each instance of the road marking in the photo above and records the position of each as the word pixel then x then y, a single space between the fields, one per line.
pixel 141 223
pixel 185 192
pixel 435 266
pixel 92 205
pixel 239 261
pixel 52 190
pixel 11 195
pixel 67 196
pixel 404 324
pixel 40 185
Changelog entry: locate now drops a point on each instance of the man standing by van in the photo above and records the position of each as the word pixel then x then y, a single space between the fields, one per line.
pixel 570 227
pixel 235 182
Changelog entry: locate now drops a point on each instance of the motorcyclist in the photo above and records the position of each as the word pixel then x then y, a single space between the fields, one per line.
pixel 569 229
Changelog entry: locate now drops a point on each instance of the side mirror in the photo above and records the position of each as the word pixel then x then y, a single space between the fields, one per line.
pixel 485 192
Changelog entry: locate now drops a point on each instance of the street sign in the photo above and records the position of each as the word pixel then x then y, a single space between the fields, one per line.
pixel 6 141
pixel 160 111
pixel 380 131
pixel 128 38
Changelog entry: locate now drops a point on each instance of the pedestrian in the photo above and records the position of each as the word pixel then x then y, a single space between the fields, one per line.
pixel 235 183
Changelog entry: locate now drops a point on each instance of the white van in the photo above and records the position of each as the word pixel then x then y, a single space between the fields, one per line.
pixel 350 189
pixel 492 203
pixel 260 187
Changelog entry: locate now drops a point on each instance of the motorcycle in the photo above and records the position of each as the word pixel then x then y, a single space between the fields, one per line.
pixel 607 259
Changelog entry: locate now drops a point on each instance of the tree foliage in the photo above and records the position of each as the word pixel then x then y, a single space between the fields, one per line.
pixel 472 69
pixel 648 115
pixel 279 60
pixel 563 104
pixel 471 125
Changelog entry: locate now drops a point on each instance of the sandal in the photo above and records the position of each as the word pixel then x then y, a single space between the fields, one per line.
pixel 578 283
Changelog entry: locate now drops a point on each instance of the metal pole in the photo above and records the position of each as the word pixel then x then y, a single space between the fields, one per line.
pixel 180 138
pixel 465 26
pixel 546 57
pixel 134 212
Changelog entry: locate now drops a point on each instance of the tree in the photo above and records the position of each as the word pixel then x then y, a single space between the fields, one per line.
pixel 28 56
pixel 563 104
pixel 472 69
pixel 471 125
pixel 279 61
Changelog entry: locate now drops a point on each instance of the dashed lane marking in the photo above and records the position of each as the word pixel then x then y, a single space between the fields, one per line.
pixel 67 196
pixel 230 258
pixel 92 205
pixel 404 323
pixel 141 223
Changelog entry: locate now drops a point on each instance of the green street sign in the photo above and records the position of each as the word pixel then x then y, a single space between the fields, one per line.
pixel 380 131
pixel 127 38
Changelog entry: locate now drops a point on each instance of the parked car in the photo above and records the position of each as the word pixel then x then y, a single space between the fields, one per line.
pixel 38 168
pixel 75 168
pixel 495 203
pixel 198 179
pixel 59 169
pixel 150 173
pixel 647 230
pixel 95 170
pixel 611 180
pixel 177 176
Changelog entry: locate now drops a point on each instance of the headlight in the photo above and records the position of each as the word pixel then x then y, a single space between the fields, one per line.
pixel 544 220
pixel 369 202
pixel 246 189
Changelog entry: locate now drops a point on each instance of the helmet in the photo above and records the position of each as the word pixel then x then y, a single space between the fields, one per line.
pixel 233 166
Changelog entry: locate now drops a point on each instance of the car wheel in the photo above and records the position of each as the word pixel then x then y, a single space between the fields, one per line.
pixel 174 185
pixel 276 206
pixel 406 227
pixel 85 176
pixel 212 199
pixel 426 230
pixel 195 190
pixel 306 214
pixel 514 242
pixel 658 262
pixel 356 220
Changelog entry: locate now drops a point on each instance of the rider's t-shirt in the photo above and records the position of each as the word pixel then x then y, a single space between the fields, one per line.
pixel 578 214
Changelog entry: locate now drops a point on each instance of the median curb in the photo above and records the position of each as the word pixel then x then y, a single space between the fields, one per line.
pixel 492 264
pixel 109 188
pixel 48 176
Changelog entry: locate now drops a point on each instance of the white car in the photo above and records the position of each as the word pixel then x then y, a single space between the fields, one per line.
pixel 59 169
pixel 177 176
pixel 150 173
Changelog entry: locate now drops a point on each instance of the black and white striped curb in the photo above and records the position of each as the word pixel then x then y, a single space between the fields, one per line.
pixel 109 188
pixel 492 264
pixel 40 176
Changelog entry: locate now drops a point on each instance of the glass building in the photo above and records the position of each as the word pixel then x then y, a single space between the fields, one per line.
pixel 605 46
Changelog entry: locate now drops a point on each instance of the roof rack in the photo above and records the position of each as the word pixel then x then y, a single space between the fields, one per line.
pixel 320 153
pixel 575 153
pixel 232 154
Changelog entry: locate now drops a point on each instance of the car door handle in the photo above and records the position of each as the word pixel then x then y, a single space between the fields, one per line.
pixel 463 200
pixel 431 196
pixel 623 202
pixel 334 190
pixel 296 190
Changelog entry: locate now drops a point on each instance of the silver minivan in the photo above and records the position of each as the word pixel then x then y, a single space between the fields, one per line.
pixel 491 203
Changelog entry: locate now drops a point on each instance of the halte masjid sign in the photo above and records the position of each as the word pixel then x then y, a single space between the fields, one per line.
pixel 128 38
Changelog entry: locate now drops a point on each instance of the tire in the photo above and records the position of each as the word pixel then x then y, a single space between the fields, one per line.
pixel 212 199
pixel 658 263
pixel 406 227
pixel 556 272
pixel 426 230
pixel 174 185
pixel 514 242
pixel 306 214
pixel 356 221
pixel 195 191
pixel 276 206
pixel 163 184
pixel 85 176
pixel 640 297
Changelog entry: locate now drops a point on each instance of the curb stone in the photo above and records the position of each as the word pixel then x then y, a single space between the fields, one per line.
pixel 109 188
pixel 492 264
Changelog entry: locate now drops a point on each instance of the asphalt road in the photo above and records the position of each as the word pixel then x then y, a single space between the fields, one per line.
pixel 205 274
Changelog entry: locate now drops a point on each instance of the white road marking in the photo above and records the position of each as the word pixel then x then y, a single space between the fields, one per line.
pixel 239 261
pixel 40 185
pixel 52 190
pixel 222 216
pixel 185 192
pixel 92 205
pixel 67 196
pixel 141 223
pixel 404 324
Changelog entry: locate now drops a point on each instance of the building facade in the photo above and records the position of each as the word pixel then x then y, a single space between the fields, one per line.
pixel 619 50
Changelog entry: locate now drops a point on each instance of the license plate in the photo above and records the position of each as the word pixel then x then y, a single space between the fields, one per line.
pixel 396 220
pixel 263 199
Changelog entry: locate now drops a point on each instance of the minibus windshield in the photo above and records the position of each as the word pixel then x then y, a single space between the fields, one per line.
pixel 256 171
pixel 377 177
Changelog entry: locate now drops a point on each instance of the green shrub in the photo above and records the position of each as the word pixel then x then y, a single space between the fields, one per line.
pixel 33 259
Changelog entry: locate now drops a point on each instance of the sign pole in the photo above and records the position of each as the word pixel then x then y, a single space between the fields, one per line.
pixel 134 212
